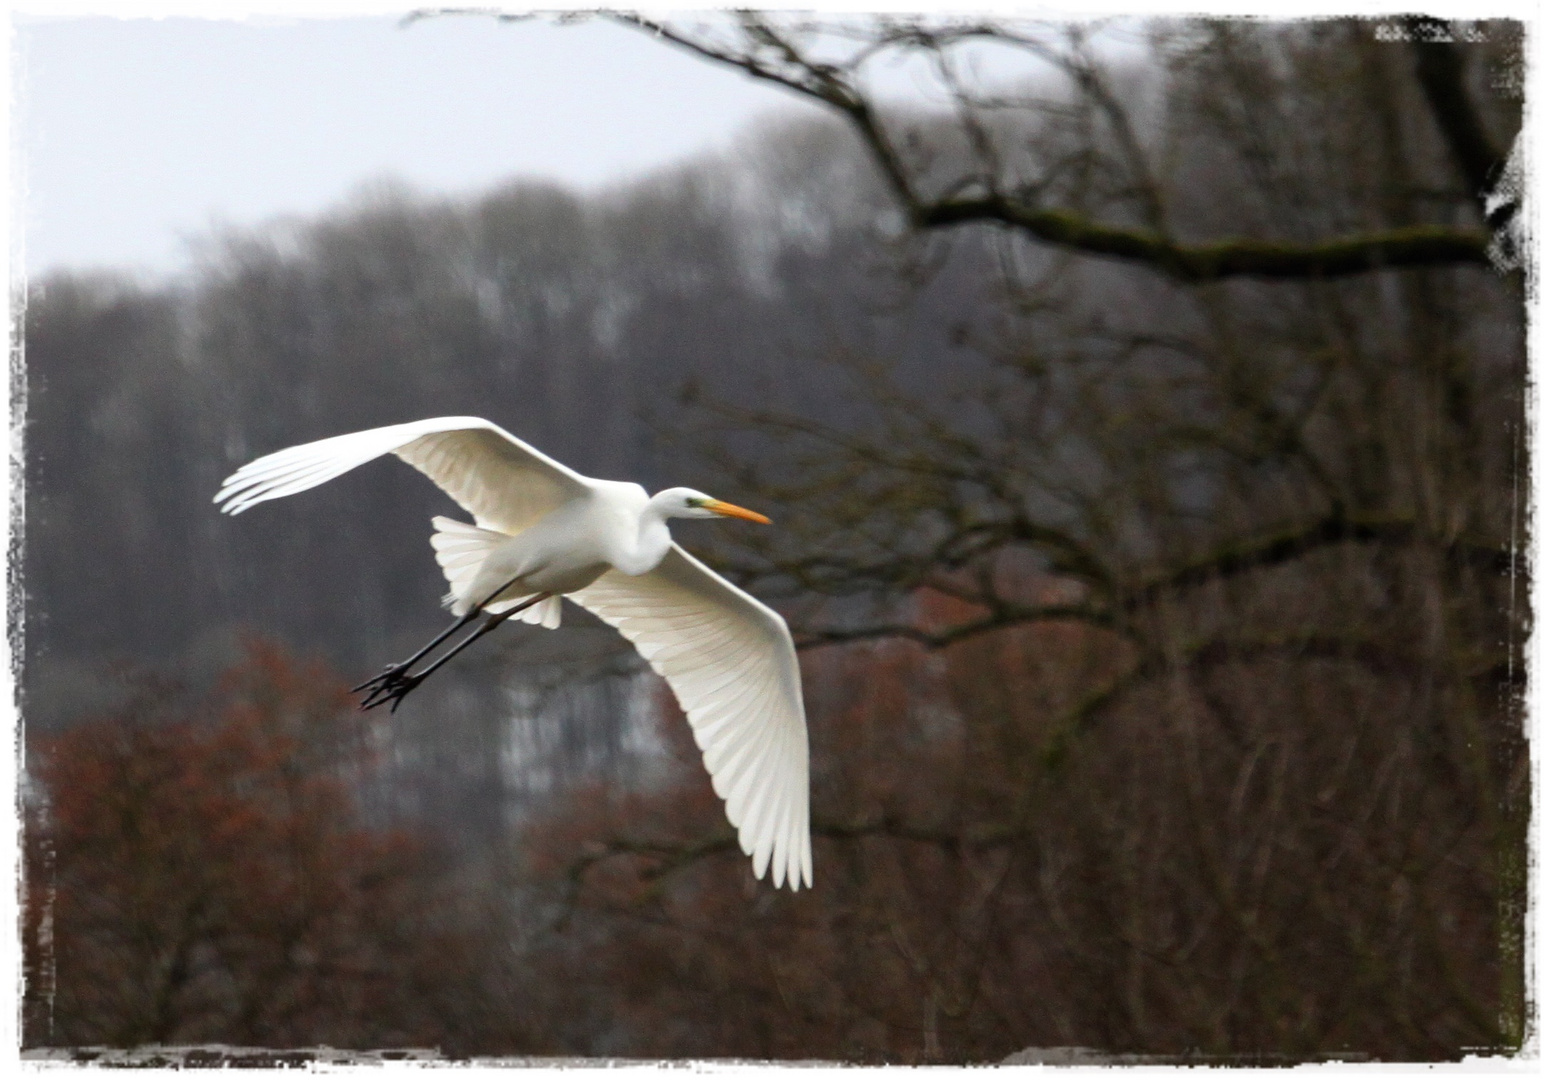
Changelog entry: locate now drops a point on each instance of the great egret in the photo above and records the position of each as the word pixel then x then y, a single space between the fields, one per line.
pixel 542 532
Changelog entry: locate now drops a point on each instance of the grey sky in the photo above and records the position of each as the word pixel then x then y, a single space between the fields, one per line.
pixel 133 134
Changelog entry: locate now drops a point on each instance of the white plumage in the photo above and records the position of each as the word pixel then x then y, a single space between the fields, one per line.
pixel 543 531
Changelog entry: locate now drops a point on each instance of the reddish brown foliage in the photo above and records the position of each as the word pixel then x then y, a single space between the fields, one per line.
pixel 1264 857
pixel 199 873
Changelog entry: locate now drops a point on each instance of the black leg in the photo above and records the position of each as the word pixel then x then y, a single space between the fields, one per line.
pixel 392 671
pixel 396 682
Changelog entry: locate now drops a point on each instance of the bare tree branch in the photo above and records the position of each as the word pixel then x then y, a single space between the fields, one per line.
pixel 1001 616
pixel 1420 245
pixel 773 58
pixel 1440 69
pixel 1272 550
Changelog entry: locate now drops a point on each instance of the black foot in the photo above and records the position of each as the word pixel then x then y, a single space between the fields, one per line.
pixel 388 674
pixel 392 685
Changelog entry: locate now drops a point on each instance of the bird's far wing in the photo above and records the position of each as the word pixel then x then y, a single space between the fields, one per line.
pixel 732 665
pixel 505 484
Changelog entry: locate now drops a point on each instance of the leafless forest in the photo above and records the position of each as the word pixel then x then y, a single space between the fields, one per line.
pixel 1146 446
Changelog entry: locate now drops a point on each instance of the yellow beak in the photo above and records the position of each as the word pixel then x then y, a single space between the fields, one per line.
pixel 732 510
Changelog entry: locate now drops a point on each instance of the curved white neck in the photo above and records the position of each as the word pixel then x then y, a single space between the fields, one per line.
pixel 650 544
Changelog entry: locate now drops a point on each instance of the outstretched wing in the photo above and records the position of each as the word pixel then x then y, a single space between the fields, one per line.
pixel 732 665
pixel 505 484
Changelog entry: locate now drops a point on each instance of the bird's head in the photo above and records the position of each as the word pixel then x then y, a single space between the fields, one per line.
pixel 683 502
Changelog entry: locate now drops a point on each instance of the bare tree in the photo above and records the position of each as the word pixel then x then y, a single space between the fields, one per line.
pixel 1264 502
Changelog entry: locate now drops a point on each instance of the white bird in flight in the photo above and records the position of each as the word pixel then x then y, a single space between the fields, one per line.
pixel 543 532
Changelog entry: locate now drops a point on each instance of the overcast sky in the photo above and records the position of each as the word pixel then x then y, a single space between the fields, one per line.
pixel 131 135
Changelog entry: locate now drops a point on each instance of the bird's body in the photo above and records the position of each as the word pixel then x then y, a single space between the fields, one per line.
pixel 542 532
pixel 572 546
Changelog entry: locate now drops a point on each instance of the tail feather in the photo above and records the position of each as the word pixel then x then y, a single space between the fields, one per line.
pixel 460 550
